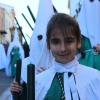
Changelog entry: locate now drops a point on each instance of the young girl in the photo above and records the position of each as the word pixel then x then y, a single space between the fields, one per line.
pixel 66 79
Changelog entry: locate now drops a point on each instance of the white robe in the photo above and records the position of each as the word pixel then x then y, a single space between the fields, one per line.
pixel 87 82
pixel 14 43
pixel 89 21
pixel 2 57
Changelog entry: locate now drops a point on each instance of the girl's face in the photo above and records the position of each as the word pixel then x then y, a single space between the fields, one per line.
pixel 63 48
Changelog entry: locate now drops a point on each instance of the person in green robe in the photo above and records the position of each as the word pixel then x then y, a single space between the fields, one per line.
pixel 15 51
pixel 89 22
pixel 92 57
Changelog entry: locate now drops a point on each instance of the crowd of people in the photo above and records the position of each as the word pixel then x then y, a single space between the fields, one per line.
pixel 10 53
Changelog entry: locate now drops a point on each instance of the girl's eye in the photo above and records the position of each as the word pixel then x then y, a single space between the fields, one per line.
pixel 69 42
pixel 55 42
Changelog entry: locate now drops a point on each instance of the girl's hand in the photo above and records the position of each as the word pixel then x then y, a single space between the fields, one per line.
pixel 41 69
pixel 15 87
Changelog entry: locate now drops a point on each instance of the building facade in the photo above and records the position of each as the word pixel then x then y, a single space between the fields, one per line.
pixel 7 15
pixel 2 15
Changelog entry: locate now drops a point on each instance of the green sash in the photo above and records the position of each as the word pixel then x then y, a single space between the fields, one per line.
pixel 55 92
pixel 14 56
pixel 90 59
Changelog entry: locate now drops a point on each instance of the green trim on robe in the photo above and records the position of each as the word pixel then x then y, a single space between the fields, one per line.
pixel 55 92
pixel 14 56
pixel 90 59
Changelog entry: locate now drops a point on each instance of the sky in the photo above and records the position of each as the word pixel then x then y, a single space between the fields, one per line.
pixel 20 6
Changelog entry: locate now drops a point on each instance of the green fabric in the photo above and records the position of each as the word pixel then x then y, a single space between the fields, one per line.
pixel 90 59
pixel 55 92
pixel 14 56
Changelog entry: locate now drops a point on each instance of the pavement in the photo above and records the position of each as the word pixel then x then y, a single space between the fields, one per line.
pixel 5 83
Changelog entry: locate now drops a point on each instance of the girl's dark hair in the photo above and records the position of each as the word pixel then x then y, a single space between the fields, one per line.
pixel 65 23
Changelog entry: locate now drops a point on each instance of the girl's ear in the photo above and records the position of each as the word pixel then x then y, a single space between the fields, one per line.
pixel 79 44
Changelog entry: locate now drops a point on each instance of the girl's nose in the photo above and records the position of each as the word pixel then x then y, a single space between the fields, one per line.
pixel 63 48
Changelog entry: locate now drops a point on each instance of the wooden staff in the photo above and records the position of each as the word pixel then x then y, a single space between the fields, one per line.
pixel 33 18
pixel 31 82
pixel 20 30
pixel 18 75
pixel 27 21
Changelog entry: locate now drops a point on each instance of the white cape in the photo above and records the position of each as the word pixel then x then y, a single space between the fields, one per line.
pixel 88 86
pixel 14 43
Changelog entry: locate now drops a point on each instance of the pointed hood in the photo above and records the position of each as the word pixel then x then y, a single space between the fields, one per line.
pixel 16 36
pixel 14 43
pixel 39 54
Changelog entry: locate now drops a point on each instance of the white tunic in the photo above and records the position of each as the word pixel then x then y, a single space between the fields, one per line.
pixel 14 43
pixel 87 81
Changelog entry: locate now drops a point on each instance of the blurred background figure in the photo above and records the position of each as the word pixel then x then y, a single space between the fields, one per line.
pixel 2 50
pixel 15 51
pixel 89 22
pixel 3 40
pixel 2 57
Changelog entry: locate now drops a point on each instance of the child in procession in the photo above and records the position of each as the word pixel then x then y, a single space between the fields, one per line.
pixel 66 79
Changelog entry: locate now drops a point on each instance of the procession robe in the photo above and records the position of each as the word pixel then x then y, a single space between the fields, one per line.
pixel 87 82
pixel 47 86
pixel 91 59
pixel 89 23
pixel 15 51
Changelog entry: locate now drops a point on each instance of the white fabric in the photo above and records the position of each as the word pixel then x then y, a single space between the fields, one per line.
pixel 87 81
pixel 2 57
pixel 72 86
pixel 89 20
pixel 25 62
pixel 39 54
pixel 14 43
pixel 68 82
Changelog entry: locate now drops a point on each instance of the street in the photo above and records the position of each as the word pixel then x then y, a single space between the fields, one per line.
pixel 5 83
